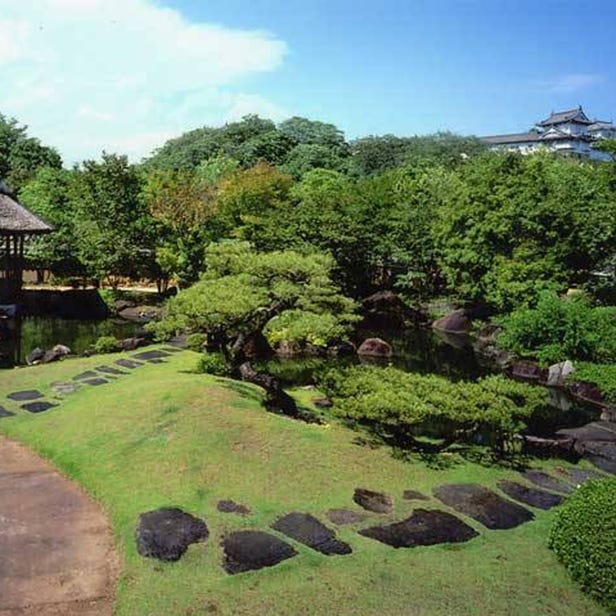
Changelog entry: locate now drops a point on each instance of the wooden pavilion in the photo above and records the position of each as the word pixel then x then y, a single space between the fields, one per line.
pixel 17 225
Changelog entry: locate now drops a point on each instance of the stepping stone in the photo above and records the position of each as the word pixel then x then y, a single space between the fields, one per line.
pixel 530 496
pixel 483 505
pixel 109 370
pixel 128 363
pixel 65 388
pixel 171 349
pixel 306 529
pixel 607 464
pixel 28 394
pixel 378 502
pixel 345 516
pixel 580 475
pixel 149 355
pixel 229 506
pixel 424 527
pixel 414 495
pixel 166 533
pixel 543 480
pixel 248 550
pixel 156 361
pixel 96 381
pixel 38 407
pixel 88 374
pixel 5 413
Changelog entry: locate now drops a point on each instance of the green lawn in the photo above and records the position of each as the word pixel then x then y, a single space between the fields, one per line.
pixel 164 435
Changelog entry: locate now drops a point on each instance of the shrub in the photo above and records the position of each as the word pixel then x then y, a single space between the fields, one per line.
pixel 196 342
pixel 213 363
pixel 107 344
pixel 583 537
pixel 408 405
pixel 559 329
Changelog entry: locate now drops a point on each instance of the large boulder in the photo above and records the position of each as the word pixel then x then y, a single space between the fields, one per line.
pixel 375 347
pixel 456 322
pixel 385 310
pixel 166 533
pixel 35 356
pixel 557 373
pixel 130 344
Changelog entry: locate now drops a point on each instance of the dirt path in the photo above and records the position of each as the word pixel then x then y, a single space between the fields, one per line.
pixel 57 555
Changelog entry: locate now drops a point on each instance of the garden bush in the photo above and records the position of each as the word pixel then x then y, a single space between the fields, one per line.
pixel 603 375
pixel 196 342
pixel 408 405
pixel 583 537
pixel 213 363
pixel 559 329
pixel 107 344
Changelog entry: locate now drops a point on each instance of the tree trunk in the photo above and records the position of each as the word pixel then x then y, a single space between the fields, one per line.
pixel 276 398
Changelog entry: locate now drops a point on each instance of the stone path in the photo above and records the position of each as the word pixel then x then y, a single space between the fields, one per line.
pixel 57 555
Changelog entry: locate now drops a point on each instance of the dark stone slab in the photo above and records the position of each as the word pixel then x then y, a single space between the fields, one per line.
pixel 543 480
pixel 166 533
pixel 128 363
pixel 248 550
pixel 605 464
pixel 424 527
pixel 156 361
pixel 65 388
pixel 530 496
pixel 483 505
pixel 110 370
pixel 5 413
pixel 414 495
pixel 96 381
pixel 172 349
pixel 593 431
pixel 88 374
pixel 345 516
pixel 306 529
pixel 580 475
pixel 37 407
pixel 149 355
pixel 23 396
pixel 229 506
pixel 378 502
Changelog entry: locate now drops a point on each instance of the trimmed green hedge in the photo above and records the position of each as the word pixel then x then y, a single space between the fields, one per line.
pixel 584 539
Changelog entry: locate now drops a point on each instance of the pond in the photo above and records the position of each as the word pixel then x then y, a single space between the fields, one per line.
pixel 23 335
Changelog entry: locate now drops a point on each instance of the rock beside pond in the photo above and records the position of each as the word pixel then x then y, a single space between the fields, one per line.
pixel 375 347
pixel 130 344
pixel 140 314
pixel 385 310
pixel 39 356
pixel 166 533
pixel 557 373
pixel 456 322
pixel 378 502
pixel 35 356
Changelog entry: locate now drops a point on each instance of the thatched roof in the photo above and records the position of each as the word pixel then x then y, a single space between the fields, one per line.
pixel 16 219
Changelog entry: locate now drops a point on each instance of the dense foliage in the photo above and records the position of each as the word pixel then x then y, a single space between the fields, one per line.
pixel 602 375
pixel 584 539
pixel 561 328
pixel 408 405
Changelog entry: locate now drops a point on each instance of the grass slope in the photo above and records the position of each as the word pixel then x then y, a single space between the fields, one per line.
pixel 166 436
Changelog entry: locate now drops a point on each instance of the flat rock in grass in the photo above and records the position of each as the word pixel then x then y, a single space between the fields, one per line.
pixel 424 527
pixel 248 550
pixel 88 374
pixel 172 349
pixel 156 361
pixel 38 407
pixel 306 529
pixel 345 516
pixel 580 475
pixel 229 506
pixel 530 496
pixel 150 355
pixel 166 533
pixel 94 382
pixel 414 495
pixel 543 480
pixel 109 370
pixel 64 388
pixel 128 363
pixel 23 396
pixel 5 413
pixel 378 502
pixel 483 505
pixel 605 464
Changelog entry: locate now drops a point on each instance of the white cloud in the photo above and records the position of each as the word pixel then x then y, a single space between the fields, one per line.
pixel 88 75
pixel 573 82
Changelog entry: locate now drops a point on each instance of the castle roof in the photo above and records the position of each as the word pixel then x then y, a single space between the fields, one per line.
pixel 570 115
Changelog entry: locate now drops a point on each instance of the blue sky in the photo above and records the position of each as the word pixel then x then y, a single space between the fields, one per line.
pixel 127 74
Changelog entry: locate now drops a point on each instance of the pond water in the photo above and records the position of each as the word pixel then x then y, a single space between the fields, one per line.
pixel 23 335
